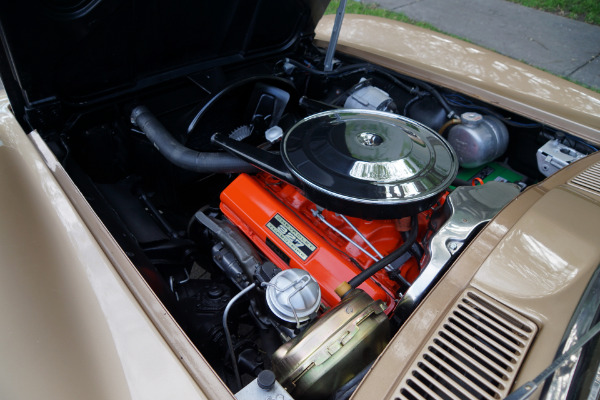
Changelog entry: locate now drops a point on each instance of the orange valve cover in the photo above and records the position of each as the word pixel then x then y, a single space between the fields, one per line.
pixel 283 224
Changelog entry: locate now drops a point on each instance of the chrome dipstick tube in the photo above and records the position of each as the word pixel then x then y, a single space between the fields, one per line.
pixel 336 230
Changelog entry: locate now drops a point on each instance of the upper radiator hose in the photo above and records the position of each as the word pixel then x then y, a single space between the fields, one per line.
pixel 182 156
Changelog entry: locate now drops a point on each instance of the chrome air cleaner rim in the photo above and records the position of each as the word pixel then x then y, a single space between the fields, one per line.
pixel 370 158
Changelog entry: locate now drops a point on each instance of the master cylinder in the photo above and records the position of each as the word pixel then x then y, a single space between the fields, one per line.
pixel 293 295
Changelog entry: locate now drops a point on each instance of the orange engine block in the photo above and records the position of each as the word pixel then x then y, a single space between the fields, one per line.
pixel 291 231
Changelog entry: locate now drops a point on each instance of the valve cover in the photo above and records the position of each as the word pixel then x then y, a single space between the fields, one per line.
pixel 286 227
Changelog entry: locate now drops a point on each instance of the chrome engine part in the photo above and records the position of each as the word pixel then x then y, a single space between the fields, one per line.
pixel 465 211
pixel 369 164
pixel 554 155
pixel 478 139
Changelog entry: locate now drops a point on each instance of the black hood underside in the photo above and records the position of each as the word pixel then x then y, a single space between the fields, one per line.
pixel 57 52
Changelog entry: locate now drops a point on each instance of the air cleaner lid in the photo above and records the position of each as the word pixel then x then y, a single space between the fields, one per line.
pixel 370 157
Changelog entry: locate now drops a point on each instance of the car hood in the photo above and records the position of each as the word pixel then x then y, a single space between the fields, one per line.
pixel 64 53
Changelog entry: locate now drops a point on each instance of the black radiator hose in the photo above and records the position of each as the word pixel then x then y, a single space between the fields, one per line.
pixel 182 156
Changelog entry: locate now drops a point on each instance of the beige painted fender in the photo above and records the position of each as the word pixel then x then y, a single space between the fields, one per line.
pixel 71 326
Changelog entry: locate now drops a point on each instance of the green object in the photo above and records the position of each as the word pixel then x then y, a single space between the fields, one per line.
pixel 490 172
pixel 356 7
pixel 582 10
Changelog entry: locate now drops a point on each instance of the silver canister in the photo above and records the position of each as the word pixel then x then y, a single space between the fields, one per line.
pixel 478 139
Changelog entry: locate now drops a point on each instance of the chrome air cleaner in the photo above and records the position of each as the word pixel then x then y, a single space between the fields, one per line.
pixel 375 164
pixel 361 163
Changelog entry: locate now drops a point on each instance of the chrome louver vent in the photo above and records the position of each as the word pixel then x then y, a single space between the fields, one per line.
pixel 475 353
pixel 588 180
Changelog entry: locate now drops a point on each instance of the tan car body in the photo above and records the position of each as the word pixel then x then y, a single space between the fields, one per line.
pixel 80 322
pixel 72 327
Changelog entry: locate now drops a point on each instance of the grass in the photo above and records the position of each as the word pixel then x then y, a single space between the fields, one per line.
pixel 582 10
pixel 356 7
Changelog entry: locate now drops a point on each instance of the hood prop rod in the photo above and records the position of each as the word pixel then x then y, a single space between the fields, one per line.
pixel 335 34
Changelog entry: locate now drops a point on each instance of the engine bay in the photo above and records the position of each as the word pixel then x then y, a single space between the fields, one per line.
pixel 290 218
